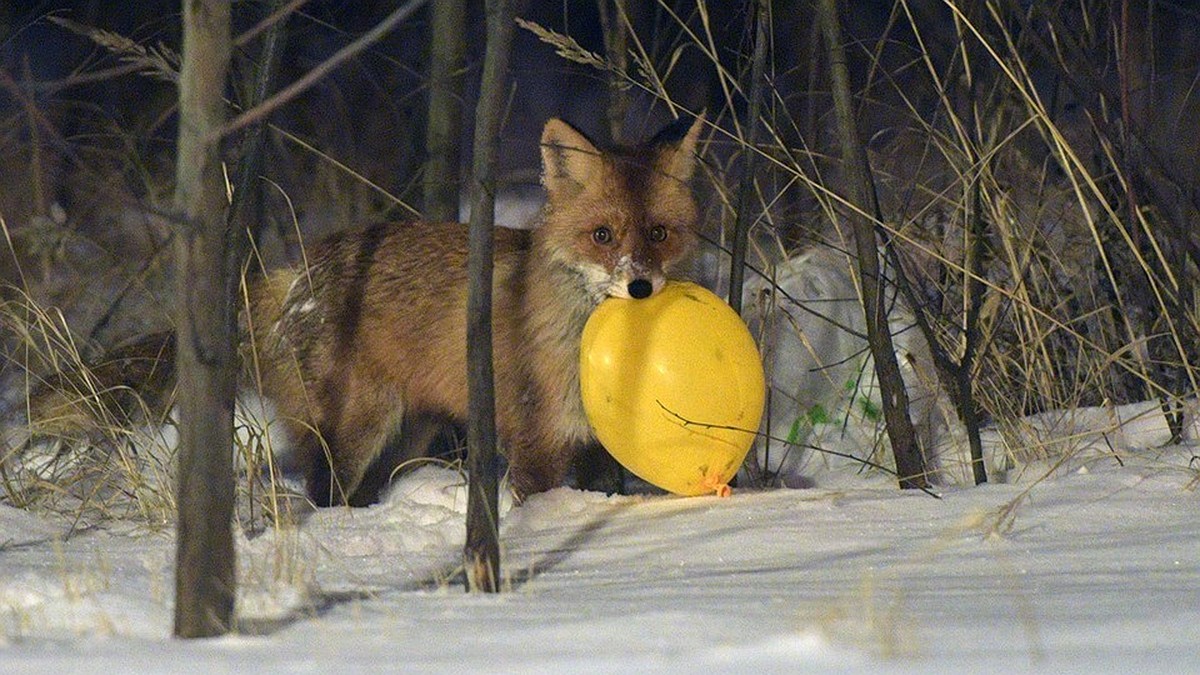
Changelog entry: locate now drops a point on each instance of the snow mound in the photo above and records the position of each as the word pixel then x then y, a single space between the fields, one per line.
pixel 1086 570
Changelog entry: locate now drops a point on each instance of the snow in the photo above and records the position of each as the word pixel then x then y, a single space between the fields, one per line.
pixel 1084 556
pixel 808 318
pixel 1090 568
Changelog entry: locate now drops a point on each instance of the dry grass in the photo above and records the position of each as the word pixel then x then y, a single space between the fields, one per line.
pixel 94 438
pixel 1084 292
pixel 1079 300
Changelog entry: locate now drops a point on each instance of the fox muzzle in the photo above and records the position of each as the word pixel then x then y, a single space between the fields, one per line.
pixel 640 289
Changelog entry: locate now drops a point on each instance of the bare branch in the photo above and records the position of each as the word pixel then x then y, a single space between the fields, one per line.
pixel 327 66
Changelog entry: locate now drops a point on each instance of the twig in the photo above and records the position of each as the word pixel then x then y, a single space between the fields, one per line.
pixel 268 21
pixel 316 74
pixel 760 434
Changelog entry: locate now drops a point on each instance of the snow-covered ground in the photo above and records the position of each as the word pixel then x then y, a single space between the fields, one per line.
pixel 1084 556
pixel 1091 569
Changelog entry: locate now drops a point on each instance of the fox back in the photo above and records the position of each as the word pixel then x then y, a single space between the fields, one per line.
pixel 366 347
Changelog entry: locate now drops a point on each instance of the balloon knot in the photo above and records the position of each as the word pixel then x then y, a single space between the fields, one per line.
pixel 717 486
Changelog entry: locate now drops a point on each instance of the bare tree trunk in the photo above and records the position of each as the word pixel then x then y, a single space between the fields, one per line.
pixel 746 191
pixel 737 268
pixel 910 464
pixel 248 210
pixel 482 551
pixel 957 375
pixel 444 128
pixel 973 290
pixel 205 575
pixel 616 47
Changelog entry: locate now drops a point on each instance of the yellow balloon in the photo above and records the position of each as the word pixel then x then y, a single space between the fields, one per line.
pixel 673 387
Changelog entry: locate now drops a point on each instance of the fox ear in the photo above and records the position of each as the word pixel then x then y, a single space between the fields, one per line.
pixel 569 159
pixel 676 146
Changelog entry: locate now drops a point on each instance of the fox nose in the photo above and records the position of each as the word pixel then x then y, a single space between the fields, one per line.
pixel 640 288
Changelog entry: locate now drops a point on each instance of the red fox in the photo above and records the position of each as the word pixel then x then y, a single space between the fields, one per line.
pixel 370 340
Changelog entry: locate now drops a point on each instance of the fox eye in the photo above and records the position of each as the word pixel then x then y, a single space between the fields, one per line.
pixel 658 233
pixel 602 235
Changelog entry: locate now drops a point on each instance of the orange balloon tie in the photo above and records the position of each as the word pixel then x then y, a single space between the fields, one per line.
pixel 717 486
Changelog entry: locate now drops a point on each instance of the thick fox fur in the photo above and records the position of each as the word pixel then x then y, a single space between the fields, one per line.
pixel 373 333
pixel 368 342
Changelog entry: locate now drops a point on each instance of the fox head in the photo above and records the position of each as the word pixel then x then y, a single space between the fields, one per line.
pixel 622 219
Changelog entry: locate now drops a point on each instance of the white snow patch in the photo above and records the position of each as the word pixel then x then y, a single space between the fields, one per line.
pixel 787 650
pixel 1083 572
pixel 823 388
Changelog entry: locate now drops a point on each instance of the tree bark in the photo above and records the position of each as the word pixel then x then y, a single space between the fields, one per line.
pixel 973 291
pixel 741 230
pixel 482 551
pixel 248 209
pixel 205 576
pixel 444 128
pixel 616 45
pixel 910 464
